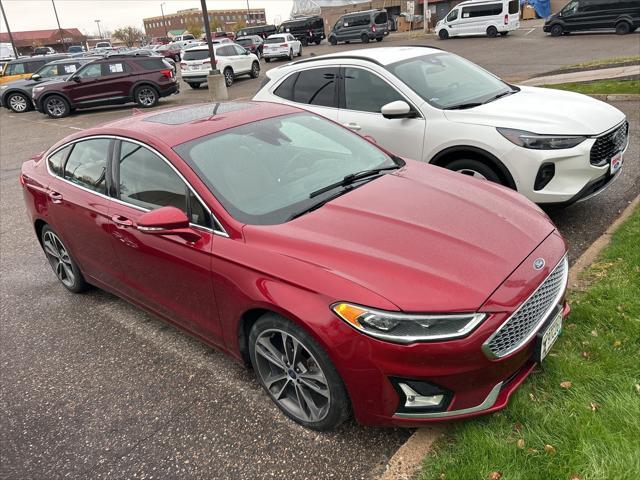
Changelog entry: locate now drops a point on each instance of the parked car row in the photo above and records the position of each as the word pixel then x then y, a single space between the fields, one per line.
pixel 232 60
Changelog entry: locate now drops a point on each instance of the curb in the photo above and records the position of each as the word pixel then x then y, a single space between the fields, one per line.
pixel 405 463
pixel 616 97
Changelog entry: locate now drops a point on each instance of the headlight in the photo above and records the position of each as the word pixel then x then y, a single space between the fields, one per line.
pixel 4 87
pixel 540 142
pixel 37 89
pixel 407 328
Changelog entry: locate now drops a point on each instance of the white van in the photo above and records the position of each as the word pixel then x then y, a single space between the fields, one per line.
pixel 480 17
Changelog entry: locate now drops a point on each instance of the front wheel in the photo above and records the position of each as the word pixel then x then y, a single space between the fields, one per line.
pixel 56 106
pixel 333 41
pixel 145 96
pixel 443 34
pixel 61 262
pixel 228 76
pixel 492 32
pixel 194 85
pixel 474 168
pixel 365 38
pixel 623 28
pixel 255 70
pixel 556 30
pixel 297 373
pixel 18 102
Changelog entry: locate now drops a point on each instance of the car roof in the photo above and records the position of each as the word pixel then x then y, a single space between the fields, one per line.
pixel 38 58
pixel 73 60
pixel 381 56
pixel 174 126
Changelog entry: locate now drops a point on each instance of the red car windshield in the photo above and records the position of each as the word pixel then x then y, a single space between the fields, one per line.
pixel 264 172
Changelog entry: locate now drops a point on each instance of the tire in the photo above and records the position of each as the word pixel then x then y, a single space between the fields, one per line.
pixel 556 30
pixel 308 374
pixel 193 85
pixel 291 54
pixel 379 39
pixel 318 41
pixel 305 42
pixel 18 102
pixel 255 70
pixel 474 168
pixel 492 31
pixel 266 59
pixel 56 106
pixel 145 96
pixel 300 51
pixel 333 41
pixel 365 38
pixel 229 77
pixel 623 28
pixel 443 34
pixel 504 34
pixel 61 261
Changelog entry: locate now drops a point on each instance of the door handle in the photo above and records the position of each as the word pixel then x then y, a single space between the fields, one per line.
pixel 121 221
pixel 55 196
pixel 353 126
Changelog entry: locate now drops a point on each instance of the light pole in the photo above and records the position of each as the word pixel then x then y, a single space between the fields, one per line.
pixel 215 81
pixel 164 22
pixel 99 32
pixel 6 21
pixel 248 13
pixel 59 29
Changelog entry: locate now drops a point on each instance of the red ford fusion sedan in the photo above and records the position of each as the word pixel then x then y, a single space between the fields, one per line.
pixel 351 280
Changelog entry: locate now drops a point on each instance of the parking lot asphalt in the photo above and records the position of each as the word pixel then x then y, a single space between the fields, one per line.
pixel 92 387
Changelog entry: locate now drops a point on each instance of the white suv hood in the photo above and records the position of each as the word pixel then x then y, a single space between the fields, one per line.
pixel 545 111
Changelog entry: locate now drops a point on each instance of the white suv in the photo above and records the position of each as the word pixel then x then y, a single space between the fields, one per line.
pixel 281 45
pixel 231 59
pixel 422 103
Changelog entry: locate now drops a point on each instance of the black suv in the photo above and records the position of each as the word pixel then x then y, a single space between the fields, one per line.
pixel 113 80
pixel 262 31
pixel 306 29
pixel 623 16
pixel 16 95
pixel 364 26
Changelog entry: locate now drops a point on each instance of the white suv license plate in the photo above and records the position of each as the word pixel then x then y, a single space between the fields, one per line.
pixel 550 336
pixel 616 163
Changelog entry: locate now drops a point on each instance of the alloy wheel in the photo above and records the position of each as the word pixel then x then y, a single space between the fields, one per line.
pixel 146 96
pixel 292 375
pixel 228 77
pixel 56 107
pixel 18 103
pixel 59 259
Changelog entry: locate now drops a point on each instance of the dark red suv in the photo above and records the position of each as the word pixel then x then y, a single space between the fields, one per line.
pixel 112 80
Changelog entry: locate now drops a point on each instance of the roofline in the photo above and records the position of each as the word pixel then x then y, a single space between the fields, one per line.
pixel 357 57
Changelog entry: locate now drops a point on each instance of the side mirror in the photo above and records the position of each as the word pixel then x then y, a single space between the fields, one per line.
pixel 167 221
pixel 397 109
pixel 35 76
pixel 247 52
pixel 75 78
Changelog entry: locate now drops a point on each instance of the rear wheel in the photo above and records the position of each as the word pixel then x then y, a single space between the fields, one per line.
pixel 300 51
pixel 379 39
pixel 194 85
pixel 255 70
pixel 623 28
pixel 61 261
pixel 365 38
pixel 291 54
pixel 18 102
pixel 145 96
pixel 56 106
pixel 474 168
pixel 443 34
pixel 297 373
pixel 228 76
pixel 556 30
pixel 492 31
pixel 333 41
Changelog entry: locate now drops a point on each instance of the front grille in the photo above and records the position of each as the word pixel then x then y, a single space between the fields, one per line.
pixel 609 144
pixel 524 323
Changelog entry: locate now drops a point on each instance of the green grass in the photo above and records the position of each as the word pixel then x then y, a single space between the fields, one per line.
pixel 601 87
pixel 603 62
pixel 594 425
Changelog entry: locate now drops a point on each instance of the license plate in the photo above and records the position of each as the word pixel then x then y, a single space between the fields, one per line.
pixel 616 163
pixel 549 336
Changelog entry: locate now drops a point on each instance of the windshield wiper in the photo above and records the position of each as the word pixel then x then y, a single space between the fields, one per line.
pixel 351 178
pixel 316 206
pixel 463 106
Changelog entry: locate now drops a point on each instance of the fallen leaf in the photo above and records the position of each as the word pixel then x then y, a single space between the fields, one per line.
pixel 442 476
pixel 617 344
pixel 572 325
pixel 594 333
pixel 585 355
pixel 565 384
pixel 495 475
pixel 637 387
pixel 575 477
pixel 550 449
pixel 620 308
pixel 594 406
pixel 532 397
pixel 518 426
pixel 532 450
pixel 585 343
pixel 520 443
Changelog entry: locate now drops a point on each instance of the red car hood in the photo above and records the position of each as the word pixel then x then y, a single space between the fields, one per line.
pixel 424 238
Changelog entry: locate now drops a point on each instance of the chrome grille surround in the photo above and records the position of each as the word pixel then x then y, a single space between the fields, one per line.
pixel 609 144
pixel 525 322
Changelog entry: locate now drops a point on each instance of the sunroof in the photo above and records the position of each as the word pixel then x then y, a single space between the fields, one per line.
pixel 201 112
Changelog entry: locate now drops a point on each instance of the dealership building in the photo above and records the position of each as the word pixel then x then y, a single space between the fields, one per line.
pixel 27 41
pixel 226 19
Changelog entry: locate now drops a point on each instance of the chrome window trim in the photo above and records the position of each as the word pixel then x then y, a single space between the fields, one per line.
pixel 488 402
pixel 217 231
pixel 543 318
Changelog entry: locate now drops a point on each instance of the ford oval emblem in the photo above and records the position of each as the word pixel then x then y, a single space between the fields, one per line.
pixel 538 263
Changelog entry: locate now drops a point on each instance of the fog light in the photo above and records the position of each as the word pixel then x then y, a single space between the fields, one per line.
pixel 414 400
pixel 545 174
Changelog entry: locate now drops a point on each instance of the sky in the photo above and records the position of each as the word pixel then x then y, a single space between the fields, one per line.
pixel 81 14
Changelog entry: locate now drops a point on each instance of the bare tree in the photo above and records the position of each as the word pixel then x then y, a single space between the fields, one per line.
pixel 128 35
pixel 195 29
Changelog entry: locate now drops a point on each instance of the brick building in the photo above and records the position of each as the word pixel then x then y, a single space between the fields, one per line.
pixel 225 19
pixel 27 41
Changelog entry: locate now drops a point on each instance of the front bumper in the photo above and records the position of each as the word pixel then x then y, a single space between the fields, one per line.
pixel 473 383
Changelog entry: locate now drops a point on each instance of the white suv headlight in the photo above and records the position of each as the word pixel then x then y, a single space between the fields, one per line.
pixel 407 328
pixel 535 141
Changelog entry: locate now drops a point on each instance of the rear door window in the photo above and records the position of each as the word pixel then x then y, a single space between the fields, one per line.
pixel 514 7
pixel 313 87
pixel 87 164
pixel 487 10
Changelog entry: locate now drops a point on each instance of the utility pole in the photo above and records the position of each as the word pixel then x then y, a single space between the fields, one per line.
pixel 59 29
pixel 164 22
pixel 6 22
pixel 215 81
pixel 99 32
pixel 425 16
pixel 248 13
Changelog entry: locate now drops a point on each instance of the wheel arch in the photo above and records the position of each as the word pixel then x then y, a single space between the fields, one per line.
pixel 6 94
pixel 141 83
pixel 459 151
pixel 38 225
pixel 46 95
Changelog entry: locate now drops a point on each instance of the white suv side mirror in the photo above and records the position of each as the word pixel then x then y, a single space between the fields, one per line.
pixel 397 109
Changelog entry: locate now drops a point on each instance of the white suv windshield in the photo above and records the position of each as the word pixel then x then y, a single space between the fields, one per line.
pixel 264 172
pixel 447 81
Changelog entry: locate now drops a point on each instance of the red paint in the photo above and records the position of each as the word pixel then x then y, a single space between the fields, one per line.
pixel 420 239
